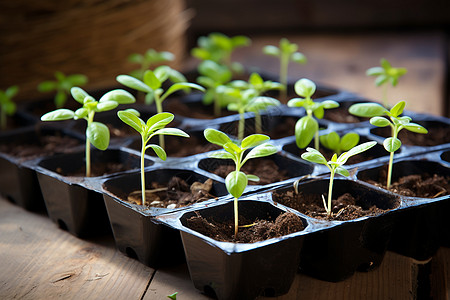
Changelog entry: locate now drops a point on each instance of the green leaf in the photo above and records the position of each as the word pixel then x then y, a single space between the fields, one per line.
pixel 380 80
pixel 232 148
pixel 81 113
pixel 392 144
pixel 305 87
pixel 151 80
pixel 78 94
pixel 120 96
pixel 375 71
pixel 380 121
pixel 349 141
pixel 367 110
pixel 296 102
pixel 305 129
pixel 58 115
pixel 340 170
pixel 255 79
pixel 328 104
pixel 397 109
pixel 221 155
pixel 171 131
pixel 131 120
pixel 361 148
pixel 10 108
pixel 299 58
pixel 271 50
pixel 261 151
pixel 216 137
pixel 60 99
pixel 98 135
pixel 314 156
pixel 77 79
pixel 236 182
pixel 133 83
pixel 106 105
pixel 162 118
pixel 415 128
pixel 47 86
pixel 262 103
pixel 251 177
pixel 158 150
pixel 254 140
pixel 182 86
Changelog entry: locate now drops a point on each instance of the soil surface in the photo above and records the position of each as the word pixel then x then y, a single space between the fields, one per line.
pixel 46 145
pixel 417 185
pixel 194 110
pixel 345 207
pixel 266 169
pixel 260 230
pixel 435 136
pixel 98 169
pixel 177 193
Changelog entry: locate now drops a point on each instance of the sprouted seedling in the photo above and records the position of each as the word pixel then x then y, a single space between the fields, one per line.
pixel 386 73
pixel 378 115
pixel 286 52
pixel 219 48
pixel 7 106
pixel 307 127
pixel 152 86
pixel 335 165
pixel 96 133
pixel 236 181
pixel 212 76
pixel 154 126
pixel 62 86
pixel 338 144
pixel 173 296
pixel 149 59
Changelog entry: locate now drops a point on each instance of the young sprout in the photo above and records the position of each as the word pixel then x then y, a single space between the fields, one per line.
pixel 152 86
pixel 213 75
pixel 154 126
pixel 236 181
pixel 219 48
pixel 7 106
pixel 334 142
pixel 335 165
pixel 149 59
pixel 97 133
pixel 62 86
pixel 386 73
pixel 307 127
pixel 379 117
pixel 286 52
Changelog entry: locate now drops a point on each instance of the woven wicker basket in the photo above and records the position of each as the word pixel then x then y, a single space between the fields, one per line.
pixel 92 37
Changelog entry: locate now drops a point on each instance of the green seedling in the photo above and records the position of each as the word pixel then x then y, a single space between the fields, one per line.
pixel 335 165
pixel 286 53
pixel 334 142
pixel 212 76
pixel 154 126
pixel 7 106
pixel 219 48
pixel 307 127
pixel 173 296
pixel 97 133
pixel 152 86
pixel 384 74
pixel 149 59
pixel 62 86
pixel 379 117
pixel 236 181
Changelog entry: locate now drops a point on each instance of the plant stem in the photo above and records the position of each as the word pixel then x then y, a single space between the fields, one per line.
pixel 236 218
pixel 241 126
pixel 159 110
pixel 385 93
pixel 316 140
pixel 389 175
pixel 258 122
pixel 284 61
pixel 330 193
pixel 143 171
pixel 88 157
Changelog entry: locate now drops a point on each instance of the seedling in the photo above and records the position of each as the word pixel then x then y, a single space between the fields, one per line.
pixel 97 133
pixel 286 53
pixel 154 126
pixel 62 86
pixel 334 142
pixel 219 48
pixel 152 86
pixel 335 165
pixel 378 115
pixel 307 127
pixel 149 59
pixel 7 106
pixel 386 73
pixel 236 181
pixel 173 296
pixel 212 76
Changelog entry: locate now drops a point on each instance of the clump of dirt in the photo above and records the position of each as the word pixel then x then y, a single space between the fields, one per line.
pixel 252 231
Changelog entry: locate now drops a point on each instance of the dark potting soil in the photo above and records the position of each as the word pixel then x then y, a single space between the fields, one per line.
pixel 341 115
pixel 177 193
pixel 194 110
pixel 435 136
pixel 345 207
pixel 259 230
pixel 266 169
pixel 98 169
pixel 284 128
pixel 47 145
pixel 416 185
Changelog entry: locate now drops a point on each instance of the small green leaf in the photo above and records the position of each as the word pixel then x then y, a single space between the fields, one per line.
pixel 361 148
pixel 367 110
pixel 305 129
pixel 349 141
pixel 375 71
pixel 10 108
pixel 314 156
pixel 171 131
pixel 58 115
pixel 181 86
pixel 296 102
pixel 81 113
pixel 151 80
pixel 106 105
pixel 221 155
pixel 159 120
pixel 380 121
pixel 380 80
pixel 236 182
pixel 77 79
pixel 158 150
pixel 232 148
pixel 342 171
pixel 120 96
pixel 47 86
pixel 60 98
pixel 397 109
pixel 392 144
pixel 216 137
pixel 78 94
pixel 261 151
pixel 131 120
pixel 251 177
pixel 271 50
pixel 133 83
pixel 415 128
pixel 254 140
pixel 299 58
pixel 255 79
pixel 305 87
pixel 98 135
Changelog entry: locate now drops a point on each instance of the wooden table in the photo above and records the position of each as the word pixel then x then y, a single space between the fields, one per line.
pixel 40 261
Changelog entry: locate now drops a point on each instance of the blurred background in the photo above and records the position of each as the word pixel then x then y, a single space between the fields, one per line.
pixel 341 40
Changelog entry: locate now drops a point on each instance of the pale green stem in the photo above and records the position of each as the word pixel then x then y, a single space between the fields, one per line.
pixel 385 98
pixel 88 146
pixel 389 175
pixel 159 109
pixel 241 126
pixel 236 218
pixel 316 140
pixel 143 171
pixel 258 127
pixel 330 193
pixel 284 61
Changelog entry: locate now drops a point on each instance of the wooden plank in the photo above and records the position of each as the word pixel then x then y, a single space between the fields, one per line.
pixel 440 275
pixel 38 261
pixel 340 61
